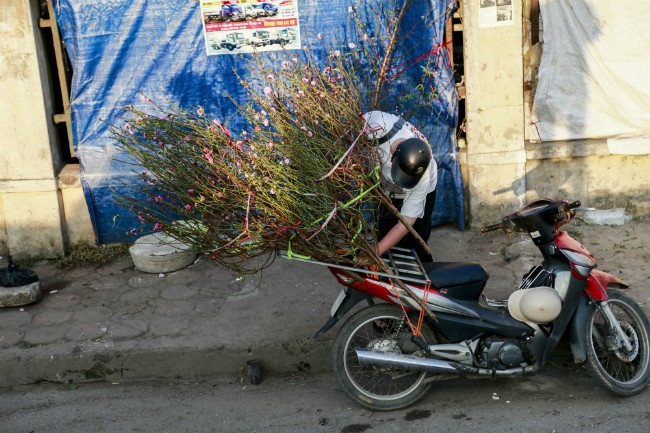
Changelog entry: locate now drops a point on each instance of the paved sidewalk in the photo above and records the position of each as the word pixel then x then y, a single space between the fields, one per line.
pixel 116 323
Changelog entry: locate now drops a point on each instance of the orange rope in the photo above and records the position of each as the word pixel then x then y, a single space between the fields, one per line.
pixel 416 330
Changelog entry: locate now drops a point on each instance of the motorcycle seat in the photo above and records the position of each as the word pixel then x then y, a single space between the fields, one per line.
pixel 455 274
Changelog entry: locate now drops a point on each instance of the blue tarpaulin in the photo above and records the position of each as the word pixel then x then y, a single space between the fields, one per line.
pixel 123 49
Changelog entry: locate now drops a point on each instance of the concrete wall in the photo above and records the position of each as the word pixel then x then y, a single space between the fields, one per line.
pixel 496 157
pixel 42 207
pixel 29 159
pixel 587 171
pixel 77 218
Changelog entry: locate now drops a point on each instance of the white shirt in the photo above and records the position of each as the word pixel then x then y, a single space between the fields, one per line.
pixel 379 124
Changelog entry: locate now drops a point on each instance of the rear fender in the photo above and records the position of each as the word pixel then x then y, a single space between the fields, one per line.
pixel 351 298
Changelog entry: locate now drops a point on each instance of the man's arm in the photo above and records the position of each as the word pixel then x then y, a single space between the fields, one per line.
pixel 393 236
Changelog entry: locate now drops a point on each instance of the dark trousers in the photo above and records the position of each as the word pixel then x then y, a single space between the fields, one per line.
pixel 422 226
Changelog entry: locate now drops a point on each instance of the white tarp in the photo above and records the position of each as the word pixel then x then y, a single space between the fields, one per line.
pixel 594 76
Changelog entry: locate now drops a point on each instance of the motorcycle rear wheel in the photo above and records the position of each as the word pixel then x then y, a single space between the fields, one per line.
pixel 615 369
pixel 380 327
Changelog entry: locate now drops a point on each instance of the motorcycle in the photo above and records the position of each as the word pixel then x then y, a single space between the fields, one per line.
pixel 387 355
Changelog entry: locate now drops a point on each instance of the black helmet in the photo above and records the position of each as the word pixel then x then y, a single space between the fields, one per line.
pixel 410 160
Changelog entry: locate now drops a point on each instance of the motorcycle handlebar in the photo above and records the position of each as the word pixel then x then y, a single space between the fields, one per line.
pixel 491 227
pixel 568 206
pixel 564 207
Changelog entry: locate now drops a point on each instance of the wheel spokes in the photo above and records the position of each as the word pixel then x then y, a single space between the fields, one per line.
pixel 379 335
pixel 619 364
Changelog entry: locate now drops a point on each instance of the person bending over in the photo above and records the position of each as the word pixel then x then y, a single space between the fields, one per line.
pixel 409 176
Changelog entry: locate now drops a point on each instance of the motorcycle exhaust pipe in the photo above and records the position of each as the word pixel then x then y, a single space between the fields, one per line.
pixel 430 365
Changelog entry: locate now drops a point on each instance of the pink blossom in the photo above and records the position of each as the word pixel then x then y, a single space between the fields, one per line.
pixel 267 90
pixel 188 207
pixel 310 134
pixel 159 199
pixel 272 191
pixel 219 194
pixel 190 191
pixel 200 111
pixel 158 227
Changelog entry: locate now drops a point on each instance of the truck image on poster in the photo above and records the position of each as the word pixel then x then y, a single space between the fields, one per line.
pixel 247 26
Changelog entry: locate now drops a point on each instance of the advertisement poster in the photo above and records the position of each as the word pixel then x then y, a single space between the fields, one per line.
pixel 495 13
pixel 247 26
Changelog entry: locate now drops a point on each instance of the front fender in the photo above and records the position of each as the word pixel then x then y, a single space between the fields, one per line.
pixel 598 283
pixel 597 290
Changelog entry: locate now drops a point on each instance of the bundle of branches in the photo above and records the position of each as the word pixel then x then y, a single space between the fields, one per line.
pixel 304 177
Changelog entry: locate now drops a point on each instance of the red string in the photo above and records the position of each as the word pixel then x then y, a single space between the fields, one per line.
pixel 403 67
pixel 285 228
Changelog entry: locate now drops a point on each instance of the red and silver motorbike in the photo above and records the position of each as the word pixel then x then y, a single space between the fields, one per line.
pixel 385 360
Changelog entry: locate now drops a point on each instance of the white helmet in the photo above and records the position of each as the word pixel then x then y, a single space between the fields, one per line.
pixel 537 305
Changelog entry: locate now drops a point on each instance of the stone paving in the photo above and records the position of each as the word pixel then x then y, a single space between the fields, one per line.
pixel 117 323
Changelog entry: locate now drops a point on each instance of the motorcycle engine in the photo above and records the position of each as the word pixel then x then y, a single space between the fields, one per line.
pixel 500 354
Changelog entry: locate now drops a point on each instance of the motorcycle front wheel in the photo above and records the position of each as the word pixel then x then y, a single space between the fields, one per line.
pixel 380 327
pixel 613 367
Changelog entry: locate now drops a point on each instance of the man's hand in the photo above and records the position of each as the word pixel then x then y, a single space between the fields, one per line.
pixel 363 260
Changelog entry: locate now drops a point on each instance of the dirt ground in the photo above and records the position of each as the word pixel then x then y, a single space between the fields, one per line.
pixel 621 250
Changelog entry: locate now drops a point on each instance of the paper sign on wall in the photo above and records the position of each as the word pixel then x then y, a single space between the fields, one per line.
pixel 495 13
pixel 246 26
